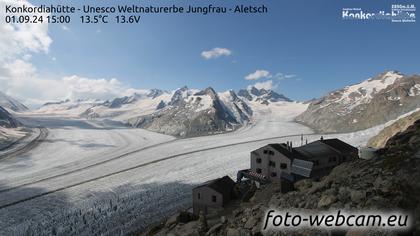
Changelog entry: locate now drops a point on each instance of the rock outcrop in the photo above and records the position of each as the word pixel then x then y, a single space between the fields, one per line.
pixel 7 120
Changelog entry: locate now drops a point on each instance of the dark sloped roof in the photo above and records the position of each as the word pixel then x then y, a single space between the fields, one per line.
pixel 315 150
pixel 282 148
pixel 339 145
pixel 222 185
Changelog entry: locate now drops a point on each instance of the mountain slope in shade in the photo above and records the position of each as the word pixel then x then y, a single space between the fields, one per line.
pixel 11 103
pixel 193 113
pixel 7 120
pixel 372 102
pixel 262 95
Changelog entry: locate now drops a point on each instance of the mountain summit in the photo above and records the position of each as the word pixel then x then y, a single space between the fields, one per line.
pixel 262 95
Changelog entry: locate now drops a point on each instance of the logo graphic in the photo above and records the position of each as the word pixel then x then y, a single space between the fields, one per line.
pixel 398 13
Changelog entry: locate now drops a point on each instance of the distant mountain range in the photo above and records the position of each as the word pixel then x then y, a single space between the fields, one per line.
pixel 372 102
pixel 184 112
pixel 190 112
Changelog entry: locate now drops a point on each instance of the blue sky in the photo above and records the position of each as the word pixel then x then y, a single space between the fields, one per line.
pixel 307 39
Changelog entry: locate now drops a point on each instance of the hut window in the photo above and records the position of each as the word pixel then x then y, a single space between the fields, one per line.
pixel 272 163
pixel 270 153
pixel 316 163
pixel 258 170
pixel 258 160
pixel 283 166
pixel 265 151
pixel 213 198
pixel 273 174
pixel 199 196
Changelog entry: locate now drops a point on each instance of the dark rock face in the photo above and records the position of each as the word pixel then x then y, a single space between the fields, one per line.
pixel 245 94
pixel 154 93
pixel 56 103
pixel 118 102
pixel 7 120
pixel 161 105
pixel 370 103
pixel 262 95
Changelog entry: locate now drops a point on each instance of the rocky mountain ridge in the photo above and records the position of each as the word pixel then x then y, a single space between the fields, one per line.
pixel 184 112
pixel 372 102
pixel 193 113
pixel 262 95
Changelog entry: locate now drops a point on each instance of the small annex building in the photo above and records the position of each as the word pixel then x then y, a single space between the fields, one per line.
pixel 214 194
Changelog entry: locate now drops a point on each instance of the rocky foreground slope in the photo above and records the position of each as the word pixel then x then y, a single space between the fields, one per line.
pixel 372 102
pixel 400 125
pixel 391 182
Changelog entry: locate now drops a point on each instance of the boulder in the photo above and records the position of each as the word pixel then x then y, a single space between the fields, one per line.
pixel 303 184
pixel 326 200
pixel 357 196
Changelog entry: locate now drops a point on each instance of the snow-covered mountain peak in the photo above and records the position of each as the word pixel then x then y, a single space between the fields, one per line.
pixel 262 95
pixel 391 74
pixel 179 95
pixel 154 93
pixel 363 92
pixel 209 92
pixel 371 102
pixel 231 95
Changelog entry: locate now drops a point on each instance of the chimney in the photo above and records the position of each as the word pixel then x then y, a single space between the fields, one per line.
pixel 322 137
pixel 306 141
pixel 291 145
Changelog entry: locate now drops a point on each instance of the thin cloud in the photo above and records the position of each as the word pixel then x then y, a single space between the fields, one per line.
pixel 215 53
pixel 281 76
pixel 258 74
pixel 267 85
pixel 20 78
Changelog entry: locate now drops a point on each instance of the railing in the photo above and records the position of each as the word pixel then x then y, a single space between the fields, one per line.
pixel 251 175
